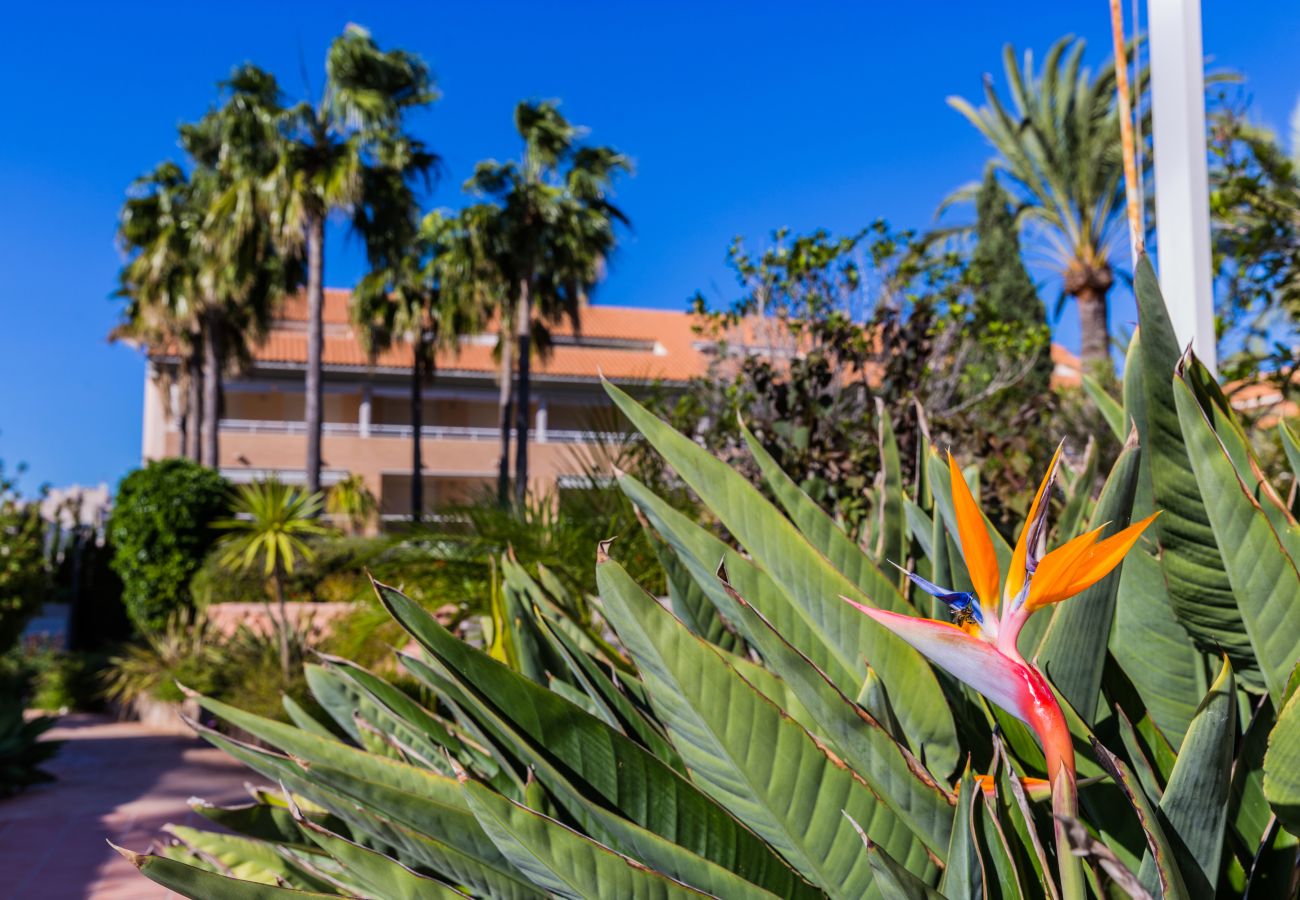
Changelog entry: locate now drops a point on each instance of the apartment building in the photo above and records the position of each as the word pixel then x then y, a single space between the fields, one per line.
pixel 367 414
pixel 367 421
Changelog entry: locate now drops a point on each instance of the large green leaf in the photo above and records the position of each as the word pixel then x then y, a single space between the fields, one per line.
pixel 761 764
pixel 1153 649
pixel 1264 578
pixel 562 861
pixel 1169 879
pixel 1073 652
pixel 605 763
pixel 810 580
pixel 1194 807
pixel 893 519
pixel 1199 590
pixel 379 873
pixel 962 877
pixel 898 778
pixel 200 884
pixel 1282 762
pixel 238 857
pixel 1110 410
pixel 825 535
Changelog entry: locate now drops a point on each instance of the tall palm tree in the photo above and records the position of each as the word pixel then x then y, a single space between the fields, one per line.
pixel 329 153
pixel 553 227
pixel 1057 144
pixel 403 299
pixel 269 531
pixel 239 274
pixel 202 274
pixel 157 229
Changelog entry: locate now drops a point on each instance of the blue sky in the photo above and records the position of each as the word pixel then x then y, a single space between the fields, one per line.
pixel 741 117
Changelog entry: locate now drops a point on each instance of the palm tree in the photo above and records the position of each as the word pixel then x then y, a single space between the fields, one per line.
pixel 351 502
pixel 330 151
pixel 552 228
pixel 269 532
pixel 157 230
pixel 1059 149
pixel 202 275
pixel 403 299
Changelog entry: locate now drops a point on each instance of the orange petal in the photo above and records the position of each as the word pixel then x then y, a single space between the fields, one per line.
pixel 1106 555
pixel 1089 567
pixel 1037 510
pixel 1057 569
pixel 976 545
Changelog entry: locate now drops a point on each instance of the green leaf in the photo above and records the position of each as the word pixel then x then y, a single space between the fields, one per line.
pixel 810 580
pixel 1152 648
pixel 385 876
pixel 1263 577
pixel 893 773
pixel 200 884
pixel 1200 593
pixel 562 861
pixel 962 878
pixel 607 765
pixel 761 764
pixel 1290 446
pixel 1194 807
pixel 238 857
pixel 1110 410
pixel 1073 652
pixel 1158 846
pixel 893 519
pixel 1282 763
pixel 893 880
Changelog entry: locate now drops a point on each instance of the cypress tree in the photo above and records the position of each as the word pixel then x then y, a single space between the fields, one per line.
pixel 1008 313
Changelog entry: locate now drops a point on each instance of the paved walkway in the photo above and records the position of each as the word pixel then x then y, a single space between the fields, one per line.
pixel 117 781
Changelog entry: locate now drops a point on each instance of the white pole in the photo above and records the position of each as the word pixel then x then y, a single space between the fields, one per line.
pixel 1182 177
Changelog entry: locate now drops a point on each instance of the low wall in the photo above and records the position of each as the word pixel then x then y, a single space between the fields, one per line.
pixel 226 618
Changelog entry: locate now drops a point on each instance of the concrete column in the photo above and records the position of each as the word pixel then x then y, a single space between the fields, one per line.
pixel 539 427
pixel 153 433
pixel 1182 180
pixel 363 415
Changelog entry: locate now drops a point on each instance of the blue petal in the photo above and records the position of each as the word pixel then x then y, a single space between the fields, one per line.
pixel 958 601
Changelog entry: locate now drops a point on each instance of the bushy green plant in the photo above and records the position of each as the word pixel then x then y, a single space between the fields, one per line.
pixel 66 680
pixel 21 750
pixel 185 650
pixel 161 528
pixel 759 736
pixel 24 575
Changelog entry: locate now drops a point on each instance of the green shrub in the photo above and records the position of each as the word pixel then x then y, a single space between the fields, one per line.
pixel 66 681
pixel 24 575
pixel 21 750
pixel 160 530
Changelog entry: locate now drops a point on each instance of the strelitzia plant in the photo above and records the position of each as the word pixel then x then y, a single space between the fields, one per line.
pixel 978 646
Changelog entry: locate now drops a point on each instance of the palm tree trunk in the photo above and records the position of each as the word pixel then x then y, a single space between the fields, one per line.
pixel 211 392
pixel 315 345
pixel 277 580
pixel 194 404
pixel 417 426
pixel 505 403
pixel 523 335
pixel 1093 330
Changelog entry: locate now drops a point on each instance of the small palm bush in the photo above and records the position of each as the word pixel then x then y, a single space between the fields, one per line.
pixel 799 719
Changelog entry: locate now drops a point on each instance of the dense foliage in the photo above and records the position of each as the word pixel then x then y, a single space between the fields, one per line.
pixel 160 530
pixel 24 576
pixel 836 340
pixel 759 737
pixel 1255 200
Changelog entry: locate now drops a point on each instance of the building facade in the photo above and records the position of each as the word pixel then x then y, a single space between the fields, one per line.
pixel 367 411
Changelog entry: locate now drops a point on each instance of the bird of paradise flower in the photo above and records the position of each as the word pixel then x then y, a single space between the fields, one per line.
pixel 979 646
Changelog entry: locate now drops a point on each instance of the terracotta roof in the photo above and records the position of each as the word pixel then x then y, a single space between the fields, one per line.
pixel 621 342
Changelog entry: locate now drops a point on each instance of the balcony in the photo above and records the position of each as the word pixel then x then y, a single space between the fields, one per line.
pixel 541 435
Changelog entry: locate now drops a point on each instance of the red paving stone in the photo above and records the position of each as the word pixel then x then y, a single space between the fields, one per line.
pixel 117 781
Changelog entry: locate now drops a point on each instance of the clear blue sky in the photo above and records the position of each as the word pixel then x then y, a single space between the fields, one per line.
pixel 741 117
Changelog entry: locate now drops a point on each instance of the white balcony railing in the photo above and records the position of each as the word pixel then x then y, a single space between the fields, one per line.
pixel 437 432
